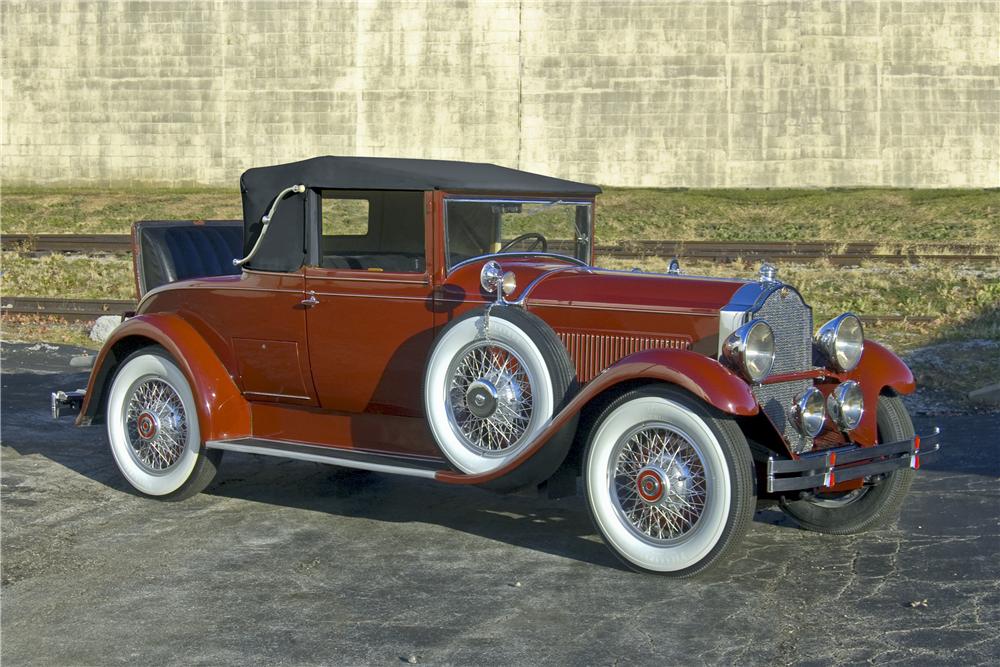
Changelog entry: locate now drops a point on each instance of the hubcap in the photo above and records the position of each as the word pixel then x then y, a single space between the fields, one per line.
pixel 147 425
pixel 658 483
pixel 481 398
pixel 489 398
pixel 650 484
pixel 155 424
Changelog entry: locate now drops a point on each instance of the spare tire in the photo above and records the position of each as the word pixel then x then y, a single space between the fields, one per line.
pixel 494 378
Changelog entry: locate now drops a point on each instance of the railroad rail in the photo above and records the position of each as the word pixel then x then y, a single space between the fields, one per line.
pixel 65 309
pixel 844 254
pixel 88 309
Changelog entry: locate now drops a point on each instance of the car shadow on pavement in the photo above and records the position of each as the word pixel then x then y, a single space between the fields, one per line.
pixel 527 520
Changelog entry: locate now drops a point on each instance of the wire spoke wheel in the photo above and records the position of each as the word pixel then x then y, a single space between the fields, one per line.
pixel 155 424
pixel 658 483
pixel 489 398
pixel 669 481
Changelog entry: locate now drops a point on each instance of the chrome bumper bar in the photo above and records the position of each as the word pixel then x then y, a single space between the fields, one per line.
pixel 828 468
pixel 66 402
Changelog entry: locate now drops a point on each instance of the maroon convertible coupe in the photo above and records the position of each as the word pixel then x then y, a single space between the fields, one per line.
pixel 445 320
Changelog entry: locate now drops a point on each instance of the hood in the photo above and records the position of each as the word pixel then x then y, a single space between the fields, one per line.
pixel 592 288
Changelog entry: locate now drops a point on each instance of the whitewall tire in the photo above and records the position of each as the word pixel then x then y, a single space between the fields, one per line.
pixel 153 428
pixel 490 388
pixel 669 481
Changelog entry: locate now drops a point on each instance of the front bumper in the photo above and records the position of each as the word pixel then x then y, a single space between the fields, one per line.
pixel 828 468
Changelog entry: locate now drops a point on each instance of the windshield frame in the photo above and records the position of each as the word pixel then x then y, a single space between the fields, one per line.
pixel 589 202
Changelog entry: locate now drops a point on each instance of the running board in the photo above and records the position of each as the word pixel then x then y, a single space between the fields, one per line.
pixel 396 465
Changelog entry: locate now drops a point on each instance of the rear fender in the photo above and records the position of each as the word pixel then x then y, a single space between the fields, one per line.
pixel 702 376
pixel 878 370
pixel 222 410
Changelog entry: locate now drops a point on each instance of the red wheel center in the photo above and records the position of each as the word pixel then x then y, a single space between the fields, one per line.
pixel 649 484
pixel 147 426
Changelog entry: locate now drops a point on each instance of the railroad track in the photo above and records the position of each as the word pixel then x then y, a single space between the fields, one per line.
pixel 88 309
pixel 843 254
pixel 65 309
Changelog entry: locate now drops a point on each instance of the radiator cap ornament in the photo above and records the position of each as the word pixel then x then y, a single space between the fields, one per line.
pixel 768 273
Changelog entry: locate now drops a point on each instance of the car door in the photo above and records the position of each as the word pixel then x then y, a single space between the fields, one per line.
pixel 370 320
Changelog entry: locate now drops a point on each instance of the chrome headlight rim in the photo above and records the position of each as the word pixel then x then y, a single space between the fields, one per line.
pixel 742 350
pixel 809 412
pixel 846 405
pixel 491 276
pixel 841 354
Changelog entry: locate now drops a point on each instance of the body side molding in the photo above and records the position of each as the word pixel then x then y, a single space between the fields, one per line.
pixel 397 465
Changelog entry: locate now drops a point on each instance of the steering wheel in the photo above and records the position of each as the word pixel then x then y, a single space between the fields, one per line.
pixel 539 240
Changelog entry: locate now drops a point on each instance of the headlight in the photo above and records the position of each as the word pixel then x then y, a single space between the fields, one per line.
pixel 750 350
pixel 491 276
pixel 846 404
pixel 508 283
pixel 808 412
pixel 841 341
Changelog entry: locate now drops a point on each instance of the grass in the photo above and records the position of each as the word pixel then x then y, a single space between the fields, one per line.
pixel 888 215
pixel 96 211
pixel 38 328
pixel 68 276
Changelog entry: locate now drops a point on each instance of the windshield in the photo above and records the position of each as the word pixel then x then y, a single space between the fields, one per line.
pixel 477 227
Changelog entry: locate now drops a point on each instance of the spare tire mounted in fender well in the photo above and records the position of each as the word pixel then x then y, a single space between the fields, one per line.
pixel 494 378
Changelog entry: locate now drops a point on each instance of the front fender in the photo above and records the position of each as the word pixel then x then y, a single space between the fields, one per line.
pixel 878 369
pixel 222 410
pixel 704 377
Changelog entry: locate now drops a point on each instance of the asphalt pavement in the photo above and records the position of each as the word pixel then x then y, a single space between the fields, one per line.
pixel 294 563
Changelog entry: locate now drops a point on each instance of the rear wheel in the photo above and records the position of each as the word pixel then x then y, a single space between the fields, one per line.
pixel 669 481
pixel 153 428
pixel 870 506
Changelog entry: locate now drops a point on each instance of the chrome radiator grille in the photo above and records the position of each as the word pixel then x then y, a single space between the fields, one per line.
pixel 791 321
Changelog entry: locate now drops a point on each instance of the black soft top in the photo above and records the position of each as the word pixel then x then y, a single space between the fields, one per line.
pixel 261 184
pixel 383 173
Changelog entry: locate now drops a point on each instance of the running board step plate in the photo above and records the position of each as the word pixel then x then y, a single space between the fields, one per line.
pixel 346 458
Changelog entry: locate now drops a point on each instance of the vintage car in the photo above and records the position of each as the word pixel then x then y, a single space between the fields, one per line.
pixel 445 320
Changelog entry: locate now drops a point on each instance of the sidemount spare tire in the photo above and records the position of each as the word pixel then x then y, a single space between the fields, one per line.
pixel 494 378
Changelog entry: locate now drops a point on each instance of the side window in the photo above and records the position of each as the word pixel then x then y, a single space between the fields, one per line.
pixel 346 217
pixel 373 231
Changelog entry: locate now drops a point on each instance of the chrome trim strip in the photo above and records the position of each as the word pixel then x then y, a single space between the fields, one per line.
pixel 425 281
pixel 387 297
pixel 696 312
pixel 519 301
pixel 678 276
pixel 496 255
pixel 270 395
pixel 330 459
pixel 520 200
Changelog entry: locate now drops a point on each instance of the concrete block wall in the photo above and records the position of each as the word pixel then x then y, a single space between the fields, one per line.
pixel 762 93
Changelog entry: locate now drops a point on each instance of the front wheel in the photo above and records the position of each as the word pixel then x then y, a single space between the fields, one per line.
pixel 870 506
pixel 669 481
pixel 153 428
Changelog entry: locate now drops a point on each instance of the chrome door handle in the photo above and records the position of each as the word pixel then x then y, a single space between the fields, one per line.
pixel 311 301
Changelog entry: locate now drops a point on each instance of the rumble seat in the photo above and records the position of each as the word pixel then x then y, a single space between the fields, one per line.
pixel 179 250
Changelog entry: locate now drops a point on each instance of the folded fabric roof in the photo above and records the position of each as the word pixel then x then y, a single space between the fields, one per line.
pixel 374 173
